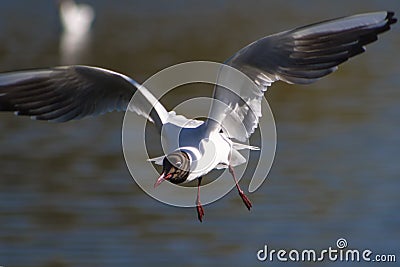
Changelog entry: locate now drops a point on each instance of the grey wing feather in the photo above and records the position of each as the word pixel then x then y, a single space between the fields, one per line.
pixel 299 56
pixel 306 54
pixel 67 93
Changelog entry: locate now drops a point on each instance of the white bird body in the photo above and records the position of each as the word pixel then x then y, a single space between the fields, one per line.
pixel 76 18
pixel 206 151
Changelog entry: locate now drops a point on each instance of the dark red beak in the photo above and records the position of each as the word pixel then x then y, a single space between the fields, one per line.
pixel 161 179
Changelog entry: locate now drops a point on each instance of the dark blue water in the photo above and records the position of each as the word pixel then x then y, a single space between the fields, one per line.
pixel 67 198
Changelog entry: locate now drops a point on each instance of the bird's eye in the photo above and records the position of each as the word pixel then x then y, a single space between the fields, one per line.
pixel 178 164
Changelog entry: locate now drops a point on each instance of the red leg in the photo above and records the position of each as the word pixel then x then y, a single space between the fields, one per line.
pixel 199 207
pixel 245 199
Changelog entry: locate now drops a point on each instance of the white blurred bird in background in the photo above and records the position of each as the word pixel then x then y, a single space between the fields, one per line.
pixel 76 20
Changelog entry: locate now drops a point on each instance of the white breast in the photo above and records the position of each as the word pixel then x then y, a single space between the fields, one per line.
pixel 212 152
pixel 206 153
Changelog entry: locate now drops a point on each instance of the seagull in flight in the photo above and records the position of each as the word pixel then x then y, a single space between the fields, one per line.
pixel 76 18
pixel 298 56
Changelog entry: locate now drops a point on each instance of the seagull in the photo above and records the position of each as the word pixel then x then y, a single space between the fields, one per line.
pixel 298 56
pixel 76 20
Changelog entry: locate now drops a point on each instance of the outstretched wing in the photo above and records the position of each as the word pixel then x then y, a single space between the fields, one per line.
pixel 67 93
pixel 298 56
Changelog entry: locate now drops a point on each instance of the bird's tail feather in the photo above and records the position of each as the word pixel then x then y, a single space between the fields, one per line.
pixel 239 146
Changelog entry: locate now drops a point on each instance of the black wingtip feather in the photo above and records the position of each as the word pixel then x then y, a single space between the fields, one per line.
pixel 390 17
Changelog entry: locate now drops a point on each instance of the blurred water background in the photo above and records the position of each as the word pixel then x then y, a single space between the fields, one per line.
pixel 67 198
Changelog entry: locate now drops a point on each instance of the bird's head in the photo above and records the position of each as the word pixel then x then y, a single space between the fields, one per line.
pixel 176 167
